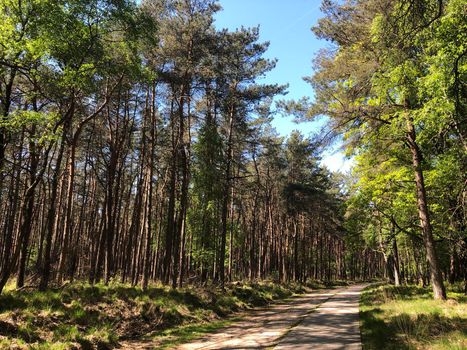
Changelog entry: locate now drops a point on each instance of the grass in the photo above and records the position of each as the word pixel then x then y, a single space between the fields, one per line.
pixel 407 317
pixel 98 316
pixel 174 336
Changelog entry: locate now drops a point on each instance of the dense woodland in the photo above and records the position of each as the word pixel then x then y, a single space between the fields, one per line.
pixel 136 146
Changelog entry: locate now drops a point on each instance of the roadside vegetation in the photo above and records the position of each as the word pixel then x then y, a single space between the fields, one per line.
pixel 407 317
pixel 83 316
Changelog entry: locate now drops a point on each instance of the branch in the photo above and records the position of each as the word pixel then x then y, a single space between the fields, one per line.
pixel 97 111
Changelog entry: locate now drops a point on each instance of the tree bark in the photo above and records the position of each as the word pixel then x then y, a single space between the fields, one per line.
pixel 225 198
pixel 46 260
pixel 28 210
pixel 439 291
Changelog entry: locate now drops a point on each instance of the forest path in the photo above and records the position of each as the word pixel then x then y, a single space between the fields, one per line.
pixel 326 319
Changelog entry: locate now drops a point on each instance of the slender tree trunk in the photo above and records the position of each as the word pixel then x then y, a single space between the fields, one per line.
pixel 11 252
pixel 439 291
pixel 397 280
pixel 170 229
pixel 46 259
pixel 4 112
pixel 150 170
pixel 225 197
pixel 63 269
pixel 28 210
pixel 231 238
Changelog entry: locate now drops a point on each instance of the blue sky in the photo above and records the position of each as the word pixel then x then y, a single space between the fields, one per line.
pixel 287 26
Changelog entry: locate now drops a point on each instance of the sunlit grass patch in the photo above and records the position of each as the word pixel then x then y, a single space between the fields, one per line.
pixel 408 318
pixel 171 337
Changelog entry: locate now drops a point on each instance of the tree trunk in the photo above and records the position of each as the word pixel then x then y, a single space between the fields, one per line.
pixel 28 210
pixel 63 268
pixel 439 292
pixel 225 197
pixel 396 268
pixel 11 251
pixel 46 260
pixel 150 170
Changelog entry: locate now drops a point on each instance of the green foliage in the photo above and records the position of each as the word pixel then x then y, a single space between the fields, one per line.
pixel 44 124
pixel 396 64
pixel 204 214
pixel 20 24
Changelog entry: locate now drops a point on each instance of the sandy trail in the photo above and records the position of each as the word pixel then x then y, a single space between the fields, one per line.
pixel 326 319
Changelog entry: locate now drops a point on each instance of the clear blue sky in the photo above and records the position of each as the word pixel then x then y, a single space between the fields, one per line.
pixel 287 26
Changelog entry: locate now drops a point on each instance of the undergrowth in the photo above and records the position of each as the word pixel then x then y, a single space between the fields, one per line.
pixel 407 317
pixel 83 316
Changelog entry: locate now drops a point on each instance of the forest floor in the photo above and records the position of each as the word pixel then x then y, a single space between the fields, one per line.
pixel 82 316
pixel 247 315
pixel 407 317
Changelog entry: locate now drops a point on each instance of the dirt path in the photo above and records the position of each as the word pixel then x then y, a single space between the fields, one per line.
pixel 333 325
pixel 321 320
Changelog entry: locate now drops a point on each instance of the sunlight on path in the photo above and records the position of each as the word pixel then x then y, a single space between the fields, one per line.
pixel 301 324
pixel 335 325
pixel 262 327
